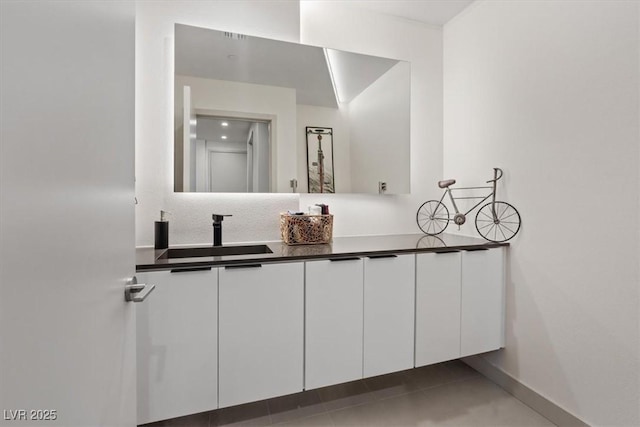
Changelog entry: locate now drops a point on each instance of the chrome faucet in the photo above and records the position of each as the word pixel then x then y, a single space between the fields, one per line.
pixel 217 229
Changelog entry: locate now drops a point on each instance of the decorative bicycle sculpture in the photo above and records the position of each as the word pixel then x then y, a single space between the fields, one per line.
pixel 496 221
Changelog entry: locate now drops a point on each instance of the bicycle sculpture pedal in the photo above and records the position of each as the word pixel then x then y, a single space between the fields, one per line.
pixel 496 221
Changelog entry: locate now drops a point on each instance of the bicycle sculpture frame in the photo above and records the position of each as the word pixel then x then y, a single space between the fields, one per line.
pixel 496 221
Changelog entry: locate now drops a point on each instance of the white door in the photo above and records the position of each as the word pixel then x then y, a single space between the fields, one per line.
pixel 334 322
pixel 67 336
pixel 389 301
pixel 250 153
pixel 202 170
pixel 188 141
pixel 482 317
pixel 437 307
pixel 261 332
pixel 177 344
pixel 228 171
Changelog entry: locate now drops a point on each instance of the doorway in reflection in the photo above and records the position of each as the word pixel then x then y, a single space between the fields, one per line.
pixel 230 155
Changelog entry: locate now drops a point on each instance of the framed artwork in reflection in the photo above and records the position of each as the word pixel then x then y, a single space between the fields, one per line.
pixel 320 174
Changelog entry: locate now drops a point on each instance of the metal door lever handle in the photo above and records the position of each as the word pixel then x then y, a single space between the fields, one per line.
pixel 134 292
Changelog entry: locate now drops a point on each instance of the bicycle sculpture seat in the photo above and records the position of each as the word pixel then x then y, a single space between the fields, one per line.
pixel 496 221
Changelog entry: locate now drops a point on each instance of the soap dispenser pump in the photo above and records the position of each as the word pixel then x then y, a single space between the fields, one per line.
pixel 162 231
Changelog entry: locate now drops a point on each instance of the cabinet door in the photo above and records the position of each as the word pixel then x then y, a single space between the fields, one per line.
pixel 389 302
pixel 437 307
pixel 334 316
pixel 482 301
pixel 261 332
pixel 177 345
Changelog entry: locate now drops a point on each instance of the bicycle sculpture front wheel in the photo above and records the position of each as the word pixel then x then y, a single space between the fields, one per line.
pixel 432 217
pixel 498 222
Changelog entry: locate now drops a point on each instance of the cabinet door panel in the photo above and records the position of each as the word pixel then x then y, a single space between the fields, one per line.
pixel 261 332
pixel 177 345
pixel 334 319
pixel 437 307
pixel 389 302
pixel 482 301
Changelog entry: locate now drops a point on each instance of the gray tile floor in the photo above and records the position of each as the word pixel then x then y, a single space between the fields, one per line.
pixel 446 394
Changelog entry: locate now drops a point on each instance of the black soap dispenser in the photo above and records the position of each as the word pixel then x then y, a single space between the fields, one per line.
pixel 162 232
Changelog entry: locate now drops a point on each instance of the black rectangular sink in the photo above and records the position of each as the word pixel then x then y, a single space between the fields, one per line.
pixel 213 251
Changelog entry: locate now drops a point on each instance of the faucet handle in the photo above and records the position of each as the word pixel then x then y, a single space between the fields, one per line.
pixel 218 217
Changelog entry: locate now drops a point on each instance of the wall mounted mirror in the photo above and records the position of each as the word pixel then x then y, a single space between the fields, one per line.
pixel 244 104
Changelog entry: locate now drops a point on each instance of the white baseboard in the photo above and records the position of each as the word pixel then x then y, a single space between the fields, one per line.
pixel 540 404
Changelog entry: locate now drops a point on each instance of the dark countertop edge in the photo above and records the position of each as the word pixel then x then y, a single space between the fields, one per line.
pixel 295 258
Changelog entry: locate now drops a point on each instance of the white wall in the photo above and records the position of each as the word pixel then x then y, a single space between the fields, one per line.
pixel 549 92
pixel 332 24
pixel 256 216
pixel 338 25
pixel 379 118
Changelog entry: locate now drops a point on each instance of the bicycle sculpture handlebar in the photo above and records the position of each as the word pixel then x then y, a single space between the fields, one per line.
pixel 496 221
pixel 497 174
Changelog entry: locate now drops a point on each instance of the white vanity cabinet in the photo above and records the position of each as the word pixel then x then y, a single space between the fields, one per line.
pixel 224 336
pixel 389 302
pixel 261 332
pixel 438 289
pixel 177 345
pixel 334 321
pixel 483 301
pixel 459 304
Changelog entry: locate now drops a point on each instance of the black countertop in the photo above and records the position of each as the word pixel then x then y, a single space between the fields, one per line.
pixel 150 259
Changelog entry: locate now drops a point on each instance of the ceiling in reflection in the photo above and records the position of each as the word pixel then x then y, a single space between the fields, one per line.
pixel 321 77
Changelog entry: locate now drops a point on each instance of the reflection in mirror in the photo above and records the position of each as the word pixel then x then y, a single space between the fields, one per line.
pixel 230 155
pixel 279 89
pixel 320 160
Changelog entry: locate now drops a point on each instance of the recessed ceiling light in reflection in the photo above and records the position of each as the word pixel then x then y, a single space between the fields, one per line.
pixel 224 124
pixel 224 137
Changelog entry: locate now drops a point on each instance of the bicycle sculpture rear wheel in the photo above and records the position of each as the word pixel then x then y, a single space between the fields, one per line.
pixel 432 217
pixel 500 228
